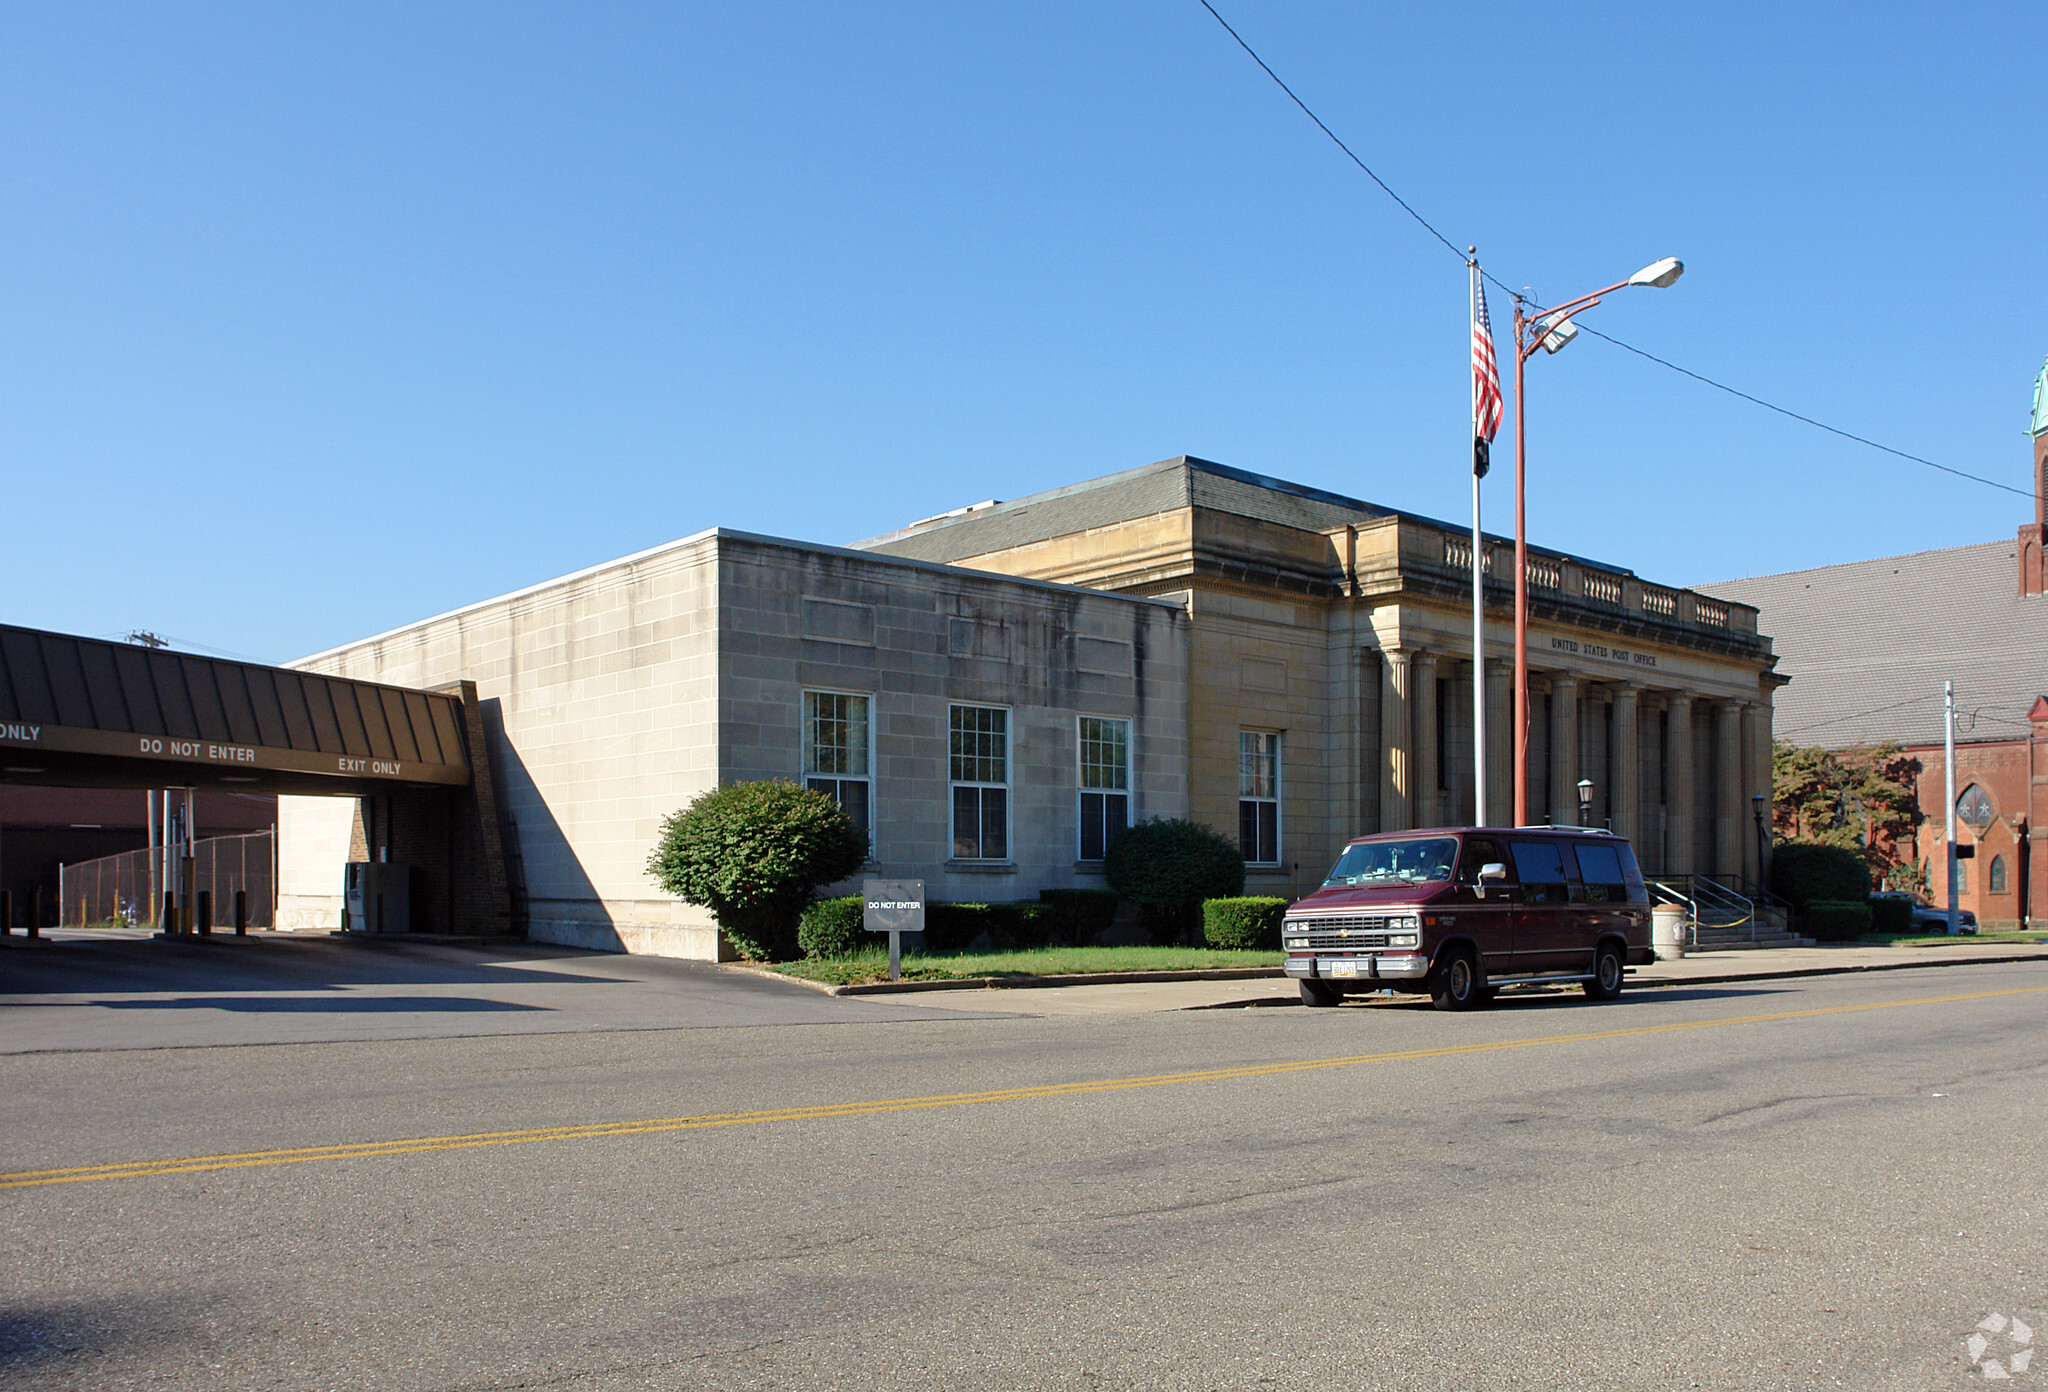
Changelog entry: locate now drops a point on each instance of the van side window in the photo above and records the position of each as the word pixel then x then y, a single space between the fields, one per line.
pixel 1632 874
pixel 1541 870
pixel 1479 853
pixel 1600 871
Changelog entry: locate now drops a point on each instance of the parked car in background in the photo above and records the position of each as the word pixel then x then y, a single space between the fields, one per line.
pixel 1927 919
pixel 1462 911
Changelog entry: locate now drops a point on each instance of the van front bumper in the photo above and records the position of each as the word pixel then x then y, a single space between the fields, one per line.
pixel 1395 966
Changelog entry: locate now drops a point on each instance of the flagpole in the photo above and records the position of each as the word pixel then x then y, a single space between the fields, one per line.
pixel 1478 588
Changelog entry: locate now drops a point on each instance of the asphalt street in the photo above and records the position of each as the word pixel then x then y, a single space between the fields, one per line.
pixel 1818 1183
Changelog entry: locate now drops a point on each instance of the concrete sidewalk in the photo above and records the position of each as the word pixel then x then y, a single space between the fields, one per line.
pixel 1709 968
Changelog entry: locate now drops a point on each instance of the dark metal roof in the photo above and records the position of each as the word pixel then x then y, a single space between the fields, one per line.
pixel 1868 645
pixel 86 710
pixel 1182 482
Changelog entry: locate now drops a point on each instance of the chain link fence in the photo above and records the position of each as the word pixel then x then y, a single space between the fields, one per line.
pixel 127 888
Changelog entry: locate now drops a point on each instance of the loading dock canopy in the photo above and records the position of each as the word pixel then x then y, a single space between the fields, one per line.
pixel 83 712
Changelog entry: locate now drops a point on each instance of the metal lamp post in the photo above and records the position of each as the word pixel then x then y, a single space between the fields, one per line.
pixel 1550 330
pixel 1585 802
pixel 1756 802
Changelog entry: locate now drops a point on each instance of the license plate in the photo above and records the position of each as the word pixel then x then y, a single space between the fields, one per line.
pixel 1343 968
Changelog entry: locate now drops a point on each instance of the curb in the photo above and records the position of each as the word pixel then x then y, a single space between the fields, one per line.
pixel 1793 972
pixel 1014 983
pixel 22 941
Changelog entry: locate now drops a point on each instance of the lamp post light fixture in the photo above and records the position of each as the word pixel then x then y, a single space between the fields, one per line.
pixel 1585 802
pixel 1550 330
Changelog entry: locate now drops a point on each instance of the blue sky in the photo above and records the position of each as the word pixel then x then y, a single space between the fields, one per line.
pixel 319 320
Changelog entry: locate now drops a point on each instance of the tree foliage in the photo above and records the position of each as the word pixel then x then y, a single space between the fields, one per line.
pixel 1858 799
pixel 755 854
pixel 1167 866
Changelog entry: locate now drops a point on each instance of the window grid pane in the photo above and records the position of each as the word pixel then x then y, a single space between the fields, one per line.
pixel 1105 754
pixel 1258 764
pixel 979 745
pixel 835 734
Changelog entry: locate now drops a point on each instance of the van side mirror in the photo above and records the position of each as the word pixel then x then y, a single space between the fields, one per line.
pixel 1492 870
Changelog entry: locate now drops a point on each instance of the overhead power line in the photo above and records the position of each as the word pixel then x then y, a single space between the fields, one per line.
pixel 1453 248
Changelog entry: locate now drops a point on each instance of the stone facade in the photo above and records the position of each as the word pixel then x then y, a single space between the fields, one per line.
pixel 1345 629
pixel 612 697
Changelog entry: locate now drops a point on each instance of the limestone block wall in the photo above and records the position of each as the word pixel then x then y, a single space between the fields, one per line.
pixel 1260 663
pixel 312 844
pixel 917 638
pixel 598 693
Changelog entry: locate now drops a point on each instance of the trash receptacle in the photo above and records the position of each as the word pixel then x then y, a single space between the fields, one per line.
pixel 1667 931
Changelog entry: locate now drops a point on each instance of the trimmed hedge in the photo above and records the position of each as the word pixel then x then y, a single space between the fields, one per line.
pixel 1010 927
pixel 1836 920
pixel 1891 916
pixel 1079 916
pixel 832 928
pixel 1803 874
pixel 1249 921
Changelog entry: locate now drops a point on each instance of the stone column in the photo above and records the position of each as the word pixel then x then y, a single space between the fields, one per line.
pixel 1396 770
pixel 1756 740
pixel 1730 776
pixel 1678 856
pixel 1624 764
pixel 1422 726
pixel 1500 743
pixel 1564 748
pixel 1465 771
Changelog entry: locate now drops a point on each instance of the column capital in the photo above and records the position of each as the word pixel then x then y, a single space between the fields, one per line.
pixel 1565 677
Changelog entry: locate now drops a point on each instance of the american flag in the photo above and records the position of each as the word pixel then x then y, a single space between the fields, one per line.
pixel 1486 402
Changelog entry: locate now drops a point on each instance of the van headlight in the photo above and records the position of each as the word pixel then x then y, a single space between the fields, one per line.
pixel 1404 940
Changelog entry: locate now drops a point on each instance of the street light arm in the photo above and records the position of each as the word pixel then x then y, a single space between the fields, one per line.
pixel 1551 318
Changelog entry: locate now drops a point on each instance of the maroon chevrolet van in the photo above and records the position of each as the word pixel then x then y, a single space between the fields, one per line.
pixel 1459 912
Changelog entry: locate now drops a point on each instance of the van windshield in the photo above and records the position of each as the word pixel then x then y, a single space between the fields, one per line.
pixel 1396 862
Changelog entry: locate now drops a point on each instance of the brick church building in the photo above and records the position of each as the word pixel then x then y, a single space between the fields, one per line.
pixel 1868 645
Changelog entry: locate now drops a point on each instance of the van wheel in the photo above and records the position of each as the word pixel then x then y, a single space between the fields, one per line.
pixel 1454 985
pixel 1607 976
pixel 1316 993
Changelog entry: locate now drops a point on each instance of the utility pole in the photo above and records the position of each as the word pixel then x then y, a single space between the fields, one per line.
pixel 1948 778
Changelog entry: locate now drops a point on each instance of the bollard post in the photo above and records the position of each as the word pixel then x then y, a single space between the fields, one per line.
pixel 205 916
pixel 170 914
pixel 6 912
pixel 241 913
pixel 35 912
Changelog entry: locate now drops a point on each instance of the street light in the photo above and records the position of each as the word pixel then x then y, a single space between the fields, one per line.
pixel 1585 802
pixel 1551 331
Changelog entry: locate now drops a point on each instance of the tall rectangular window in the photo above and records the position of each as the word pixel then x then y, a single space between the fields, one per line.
pixel 1258 796
pixel 836 750
pixel 980 775
pixel 1105 783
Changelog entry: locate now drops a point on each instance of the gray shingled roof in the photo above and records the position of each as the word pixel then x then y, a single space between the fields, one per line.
pixel 1868 645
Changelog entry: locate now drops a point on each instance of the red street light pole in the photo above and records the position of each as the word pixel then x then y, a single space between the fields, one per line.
pixel 1550 331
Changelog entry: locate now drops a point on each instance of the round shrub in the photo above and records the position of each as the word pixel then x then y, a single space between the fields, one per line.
pixel 754 854
pixel 1168 866
pixel 1252 921
pixel 833 928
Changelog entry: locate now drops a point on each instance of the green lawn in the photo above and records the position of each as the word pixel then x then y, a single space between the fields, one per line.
pixel 1944 940
pixel 873 964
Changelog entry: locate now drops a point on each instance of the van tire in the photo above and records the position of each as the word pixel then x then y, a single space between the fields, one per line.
pixel 1605 984
pixel 1454 983
pixel 1316 993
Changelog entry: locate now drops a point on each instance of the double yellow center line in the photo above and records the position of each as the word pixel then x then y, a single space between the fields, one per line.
pixel 366 1150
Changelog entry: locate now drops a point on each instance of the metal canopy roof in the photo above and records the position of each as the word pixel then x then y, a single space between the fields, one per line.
pixel 87 712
